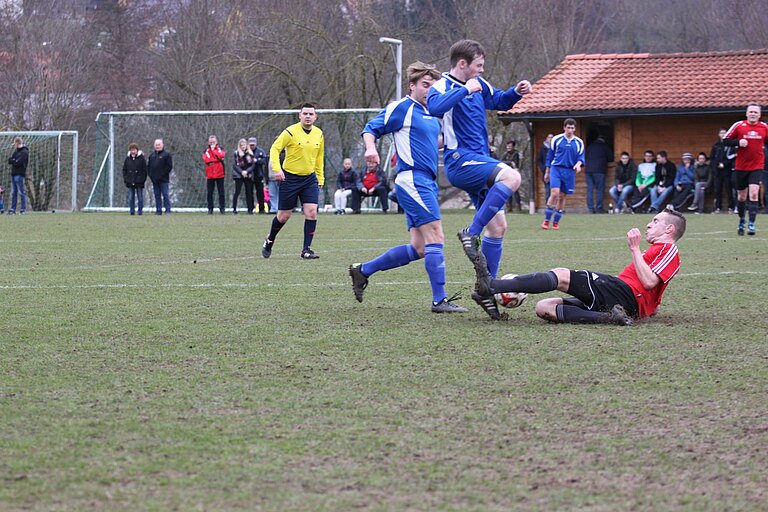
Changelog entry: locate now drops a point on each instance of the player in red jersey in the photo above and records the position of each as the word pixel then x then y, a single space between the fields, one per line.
pixel 601 298
pixel 748 137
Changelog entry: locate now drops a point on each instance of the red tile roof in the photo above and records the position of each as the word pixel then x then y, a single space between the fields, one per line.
pixel 644 82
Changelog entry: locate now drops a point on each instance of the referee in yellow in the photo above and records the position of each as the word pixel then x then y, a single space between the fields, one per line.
pixel 301 176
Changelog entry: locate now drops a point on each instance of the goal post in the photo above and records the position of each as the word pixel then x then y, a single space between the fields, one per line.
pixel 51 169
pixel 185 136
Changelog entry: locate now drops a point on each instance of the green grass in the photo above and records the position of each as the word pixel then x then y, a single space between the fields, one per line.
pixel 159 363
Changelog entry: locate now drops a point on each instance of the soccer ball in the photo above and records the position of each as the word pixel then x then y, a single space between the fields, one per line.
pixel 510 299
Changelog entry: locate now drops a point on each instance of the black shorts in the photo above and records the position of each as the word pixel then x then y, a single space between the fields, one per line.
pixel 745 178
pixel 297 187
pixel 600 292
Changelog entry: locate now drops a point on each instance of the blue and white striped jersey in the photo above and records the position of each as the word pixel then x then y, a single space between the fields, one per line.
pixel 565 153
pixel 415 132
pixel 464 124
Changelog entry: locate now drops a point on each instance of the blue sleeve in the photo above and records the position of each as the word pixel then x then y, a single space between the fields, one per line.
pixel 380 125
pixel 496 99
pixel 439 103
pixel 580 157
pixel 550 155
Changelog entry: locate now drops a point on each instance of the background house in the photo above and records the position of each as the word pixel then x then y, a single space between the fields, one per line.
pixel 675 102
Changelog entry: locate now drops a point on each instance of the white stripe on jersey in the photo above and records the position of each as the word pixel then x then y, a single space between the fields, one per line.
pixel 404 180
pixel 667 256
pixel 403 138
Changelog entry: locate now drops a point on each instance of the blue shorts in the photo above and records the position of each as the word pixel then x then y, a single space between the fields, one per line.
pixel 417 196
pixel 470 172
pixel 563 178
pixel 297 187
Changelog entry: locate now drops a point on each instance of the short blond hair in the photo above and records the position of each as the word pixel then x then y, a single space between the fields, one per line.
pixel 419 70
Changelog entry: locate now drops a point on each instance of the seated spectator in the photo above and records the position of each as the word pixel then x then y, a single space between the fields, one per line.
pixel 646 177
pixel 626 173
pixel 702 174
pixel 684 181
pixel 665 182
pixel 346 181
pixel 371 183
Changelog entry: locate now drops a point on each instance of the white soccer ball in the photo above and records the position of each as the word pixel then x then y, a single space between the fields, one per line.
pixel 510 299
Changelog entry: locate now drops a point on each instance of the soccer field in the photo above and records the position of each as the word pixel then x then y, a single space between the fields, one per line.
pixel 160 363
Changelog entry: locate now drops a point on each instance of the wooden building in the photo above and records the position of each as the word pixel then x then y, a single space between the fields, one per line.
pixel 674 102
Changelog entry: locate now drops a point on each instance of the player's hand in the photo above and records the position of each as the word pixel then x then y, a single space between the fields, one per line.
pixel 743 143
pixel 546 176
pixel 633 239
pixel 372 156
pixel 577 167
pixel 523 87
pixel 280 176
pixel 473 85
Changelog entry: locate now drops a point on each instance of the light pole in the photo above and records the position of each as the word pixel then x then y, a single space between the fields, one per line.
pixel 398 63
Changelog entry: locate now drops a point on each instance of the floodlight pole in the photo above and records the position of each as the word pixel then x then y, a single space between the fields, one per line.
pixel 398 44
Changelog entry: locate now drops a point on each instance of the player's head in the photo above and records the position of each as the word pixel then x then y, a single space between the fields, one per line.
pixel 421 76
pixel 467 59
pixel 307 115
pixel 667 225
pixel 753 113
pixel 569 126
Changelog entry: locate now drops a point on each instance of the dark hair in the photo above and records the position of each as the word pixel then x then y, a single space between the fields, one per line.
pixel 624 153
pixel 569 122
pixel 512 141
pixel 133 145
pixel 649 151
pixel 662 154
pixel 307 105
pixel 466 49
pixel 678 220
pixel 702 153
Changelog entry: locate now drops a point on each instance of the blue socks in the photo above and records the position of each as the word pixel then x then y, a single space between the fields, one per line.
pixel 393 258
pixel 494 201
pixel 492 248
pixel 558 215
pixel 309 232
pixel 548 213
pixel 434 263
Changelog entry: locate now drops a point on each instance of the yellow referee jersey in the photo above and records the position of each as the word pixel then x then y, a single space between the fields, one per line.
pixel 304 152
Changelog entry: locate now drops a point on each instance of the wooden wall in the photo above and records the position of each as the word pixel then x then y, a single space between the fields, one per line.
pixel 673 134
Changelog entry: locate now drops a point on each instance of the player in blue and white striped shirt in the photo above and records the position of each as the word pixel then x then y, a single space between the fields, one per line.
pixel 564 159
pixel 416 135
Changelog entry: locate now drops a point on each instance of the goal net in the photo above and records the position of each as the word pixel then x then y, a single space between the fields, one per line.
pixel 51 178
pixel 185 135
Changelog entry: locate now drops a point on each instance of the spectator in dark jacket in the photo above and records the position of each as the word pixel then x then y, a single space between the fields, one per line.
pixel 372 182
pixel 721 162
pixel 596 158
pixel 346 182
pixel 260 172
pixel 18 161
pixel 541 161
pixel 702 174
pixel 159 168
pixel 243 166
pixel 511 157
pixel 134 176
pixel 624 183
pixel 665 180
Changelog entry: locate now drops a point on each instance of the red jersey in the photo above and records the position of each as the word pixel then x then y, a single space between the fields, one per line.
pixel 664 261
pixel 751 157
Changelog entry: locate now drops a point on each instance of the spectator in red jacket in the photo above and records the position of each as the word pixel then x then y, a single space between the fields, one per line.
pixel 214 172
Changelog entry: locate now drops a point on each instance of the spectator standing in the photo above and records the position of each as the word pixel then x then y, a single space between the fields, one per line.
pixel 665 180
pixel 646 178
pixel 749 138
pixel 684 182
pixel 721 162
pixel 134 176
pixel 597 157
pixel 18 161
pixel 243 166
pixel 346 183
pixel 511 157
pixel 260 173
pixel 213 157
pixel 372 182
pixel 702 174
pixel 564 161
pixel 624 183
pixel 159 168
pixel 541 161
pixel 301 176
